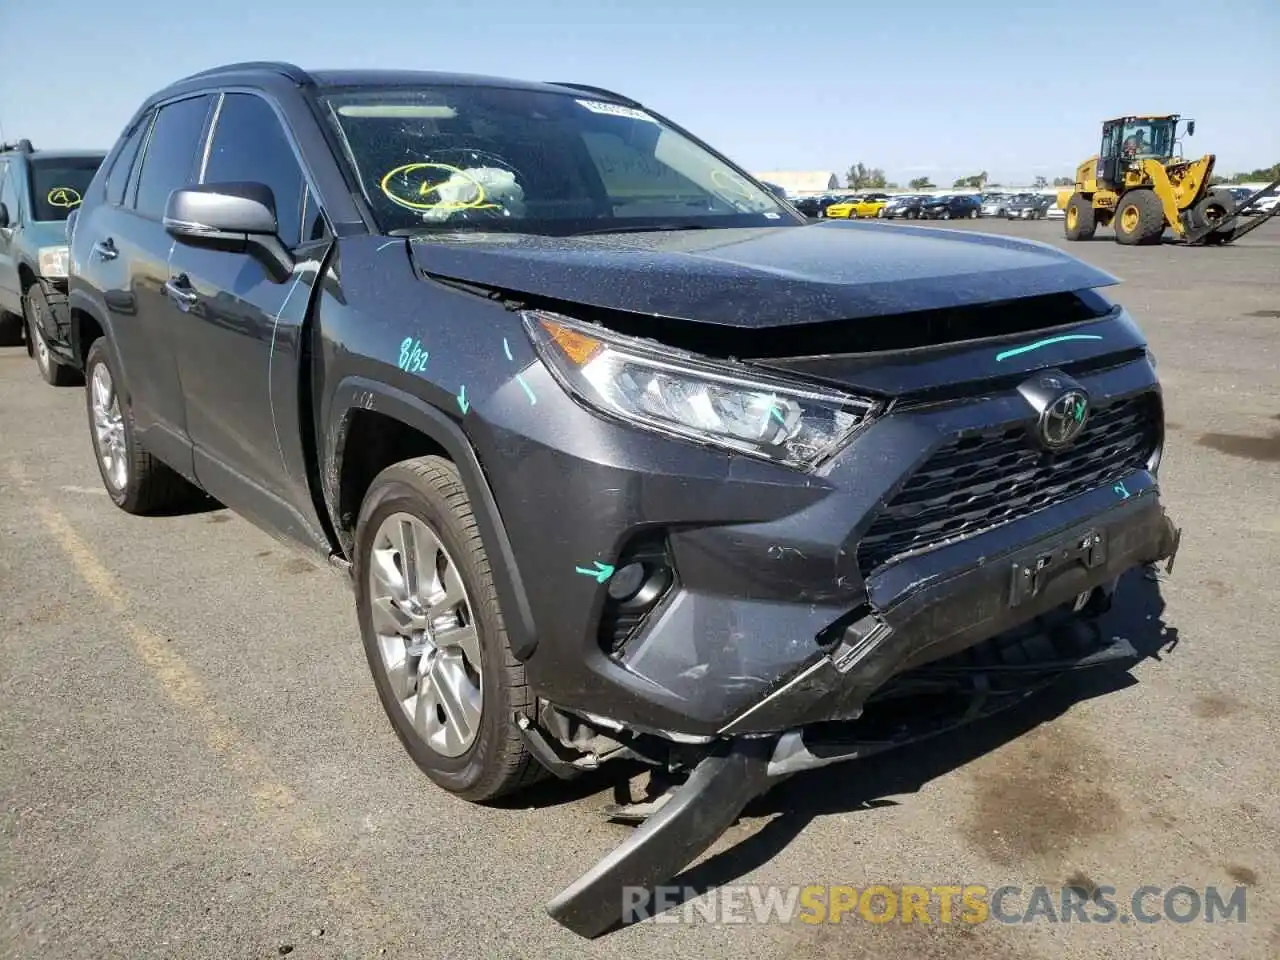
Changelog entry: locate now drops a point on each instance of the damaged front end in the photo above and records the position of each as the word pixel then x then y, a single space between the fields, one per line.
pixel 892 677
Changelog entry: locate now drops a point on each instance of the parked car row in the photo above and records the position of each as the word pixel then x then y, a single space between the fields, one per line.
pixel 927 206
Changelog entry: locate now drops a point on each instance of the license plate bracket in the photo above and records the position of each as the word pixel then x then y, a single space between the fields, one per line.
pixel 1031 573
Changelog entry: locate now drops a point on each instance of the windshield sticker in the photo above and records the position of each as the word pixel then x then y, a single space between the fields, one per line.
pixel 440 189
pixel 413 358
pixel 615 110
pixel 64 197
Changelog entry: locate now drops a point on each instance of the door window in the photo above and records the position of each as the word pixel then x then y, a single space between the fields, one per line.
pixel 249 143
pixel 118 178
pixel 171 153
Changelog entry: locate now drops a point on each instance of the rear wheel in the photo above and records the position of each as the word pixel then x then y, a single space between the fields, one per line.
pixel 1139 218
pixel 434 634
pixel 1214 207
pixel 973 214
pixel 1080 223
pixel 135 480
pixel 946 214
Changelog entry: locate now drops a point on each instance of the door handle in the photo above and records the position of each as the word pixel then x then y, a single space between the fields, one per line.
pixel 106 249
pixel 179 288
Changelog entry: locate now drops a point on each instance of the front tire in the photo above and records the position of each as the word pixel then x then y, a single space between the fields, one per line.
pixel 36 305
pixel 1080 222
pixel 434 633
pixel 1216 205
pixel 135 480
pixel 1139 218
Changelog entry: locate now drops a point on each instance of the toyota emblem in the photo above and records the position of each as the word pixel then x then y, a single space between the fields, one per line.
pixel 1063 419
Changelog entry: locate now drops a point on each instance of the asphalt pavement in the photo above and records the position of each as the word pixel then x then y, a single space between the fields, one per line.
pixel 193 762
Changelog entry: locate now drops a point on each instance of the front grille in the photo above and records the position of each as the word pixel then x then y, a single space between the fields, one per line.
pixel 979 481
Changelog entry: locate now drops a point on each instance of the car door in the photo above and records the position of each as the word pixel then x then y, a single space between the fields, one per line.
pixel 129 257
pixel 10 288
pixel 240 333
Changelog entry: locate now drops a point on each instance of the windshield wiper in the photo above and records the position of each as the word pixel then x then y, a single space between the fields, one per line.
pixel 638 228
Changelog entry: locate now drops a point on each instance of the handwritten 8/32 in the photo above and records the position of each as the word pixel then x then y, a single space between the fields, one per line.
pixel 413 358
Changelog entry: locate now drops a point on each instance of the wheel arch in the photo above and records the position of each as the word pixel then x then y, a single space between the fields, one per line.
pixel 372 425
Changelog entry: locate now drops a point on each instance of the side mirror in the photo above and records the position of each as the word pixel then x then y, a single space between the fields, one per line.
pixel 1191 128
pixel 4 217
pixel 235 217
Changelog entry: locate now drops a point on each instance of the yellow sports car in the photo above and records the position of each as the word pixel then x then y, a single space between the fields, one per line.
pixel 866 205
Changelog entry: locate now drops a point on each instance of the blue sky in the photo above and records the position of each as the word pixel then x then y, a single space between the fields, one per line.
pixel 1015 87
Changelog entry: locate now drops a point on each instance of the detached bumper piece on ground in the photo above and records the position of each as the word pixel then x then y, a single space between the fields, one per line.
pixel 932 698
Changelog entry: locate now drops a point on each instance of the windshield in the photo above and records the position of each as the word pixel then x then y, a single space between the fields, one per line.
pixel 1146 138
pixel 491 158
pixel 57 184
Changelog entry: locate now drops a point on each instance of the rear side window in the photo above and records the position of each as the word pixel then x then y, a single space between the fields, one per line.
pixel 249 143
pixel 118 179
pixel 169 162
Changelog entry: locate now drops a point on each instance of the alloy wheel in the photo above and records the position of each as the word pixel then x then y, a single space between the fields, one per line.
pixel 108 427
pixel 426 633
pixel 42 348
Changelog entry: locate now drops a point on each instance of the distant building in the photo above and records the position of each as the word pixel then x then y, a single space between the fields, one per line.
pixel 798 183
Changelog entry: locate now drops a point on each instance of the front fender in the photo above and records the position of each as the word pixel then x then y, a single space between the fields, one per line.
pixel 359 393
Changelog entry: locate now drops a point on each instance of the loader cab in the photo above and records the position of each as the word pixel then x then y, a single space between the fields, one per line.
pixel 1129 139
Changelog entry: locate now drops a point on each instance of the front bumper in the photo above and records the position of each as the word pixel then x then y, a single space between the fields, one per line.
pixel 950 607
pixel 766 581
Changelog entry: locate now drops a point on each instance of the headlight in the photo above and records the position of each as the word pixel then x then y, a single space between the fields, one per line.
pixel 53 261
pixel 678 393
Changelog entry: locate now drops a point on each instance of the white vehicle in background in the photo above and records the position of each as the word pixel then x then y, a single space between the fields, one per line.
pixel 994 205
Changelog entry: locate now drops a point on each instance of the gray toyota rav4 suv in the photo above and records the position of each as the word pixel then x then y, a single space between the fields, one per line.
pixel 623 457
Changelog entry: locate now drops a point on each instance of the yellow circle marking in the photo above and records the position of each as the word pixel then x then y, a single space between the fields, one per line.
pixel 1073 217
pixel 426 189
pixel 63 197
pixel 732 183
pixel 1129 217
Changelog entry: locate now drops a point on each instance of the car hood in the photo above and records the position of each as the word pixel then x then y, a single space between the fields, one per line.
pixel 45 233
pixel 761 277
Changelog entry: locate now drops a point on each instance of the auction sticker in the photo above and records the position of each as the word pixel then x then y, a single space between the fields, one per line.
pixel 615 110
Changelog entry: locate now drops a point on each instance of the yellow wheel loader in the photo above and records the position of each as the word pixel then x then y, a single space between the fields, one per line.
pixel 1139 184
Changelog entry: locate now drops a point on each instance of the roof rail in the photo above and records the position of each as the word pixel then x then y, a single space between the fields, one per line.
pixel 294 73
pixel 20 146
pixel 587 88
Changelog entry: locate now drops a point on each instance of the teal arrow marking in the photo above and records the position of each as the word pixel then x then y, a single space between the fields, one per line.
pixel 1006 354
pixel 462 399
pixel 602 572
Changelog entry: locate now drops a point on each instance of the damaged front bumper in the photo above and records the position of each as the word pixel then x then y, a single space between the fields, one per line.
pixel 980 639
pixel 927 609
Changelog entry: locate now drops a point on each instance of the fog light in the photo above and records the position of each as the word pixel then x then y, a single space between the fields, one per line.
pixel 625 582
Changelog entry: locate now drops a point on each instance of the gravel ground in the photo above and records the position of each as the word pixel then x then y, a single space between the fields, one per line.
pixel 193 762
